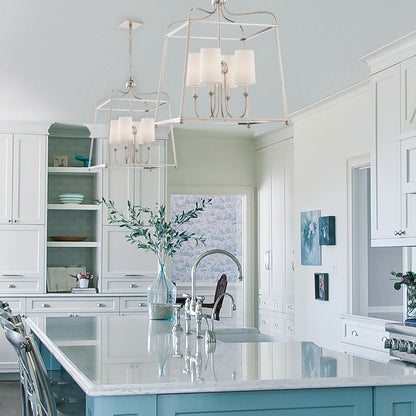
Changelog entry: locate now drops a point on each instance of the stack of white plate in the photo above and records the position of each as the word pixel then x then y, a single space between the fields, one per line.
pixel 71 198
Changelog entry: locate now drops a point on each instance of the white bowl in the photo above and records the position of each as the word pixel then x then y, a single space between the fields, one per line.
pixel 71 198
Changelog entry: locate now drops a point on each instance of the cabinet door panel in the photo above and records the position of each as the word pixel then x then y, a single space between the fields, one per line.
pixel 22 250
pixel 264 216
pixel 29 180
pixel 6 158
pixel 117 187
pixel 408 175
pixel 408 89
pixel 385 180
pixel 120 258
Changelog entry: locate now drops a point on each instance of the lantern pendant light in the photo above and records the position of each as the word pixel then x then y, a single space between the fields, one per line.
pixel 131 137
pixel 220 72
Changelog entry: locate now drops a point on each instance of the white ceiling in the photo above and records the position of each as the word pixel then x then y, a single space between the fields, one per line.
pixel 59 57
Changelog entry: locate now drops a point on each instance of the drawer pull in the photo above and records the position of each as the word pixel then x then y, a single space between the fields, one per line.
pixel 100 305
pixel 276 305
pixel 263 302
pixel 290 328
pixel 45 305
pixel 11 286
pixel 133 275
pixel 133 286
pixel 276 325
pixel 12 275
pixel 263 322
pixel 354 333
pixel 142 304
pixel 290 307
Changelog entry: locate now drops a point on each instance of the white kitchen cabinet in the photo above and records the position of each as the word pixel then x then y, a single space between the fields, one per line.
pixel 143 187
pixel 22 254
pixel 22 173
pixel 275 207
pixel 125 268
pixel 393 86
pixel 385 166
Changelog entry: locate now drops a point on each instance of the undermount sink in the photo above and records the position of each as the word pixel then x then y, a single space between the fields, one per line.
pixel 237 335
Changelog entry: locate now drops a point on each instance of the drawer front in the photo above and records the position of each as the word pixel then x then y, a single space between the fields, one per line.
pixel 271 324
pixel 271 304
pixel 133 304
pixel 363 336
pixel 125 285
pixel 52 305
pixel 11 286
pixel 17 305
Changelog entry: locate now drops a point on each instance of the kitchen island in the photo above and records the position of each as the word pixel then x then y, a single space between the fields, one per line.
pixel 128 365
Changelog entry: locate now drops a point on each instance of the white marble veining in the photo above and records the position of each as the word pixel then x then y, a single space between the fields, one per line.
pixel 122 355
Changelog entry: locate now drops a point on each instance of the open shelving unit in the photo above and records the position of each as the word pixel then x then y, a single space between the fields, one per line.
pixel 78 221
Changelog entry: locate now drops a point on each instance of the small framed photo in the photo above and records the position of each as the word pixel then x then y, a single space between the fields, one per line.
pixel 327 231
pixel 321 286
pixel 60 161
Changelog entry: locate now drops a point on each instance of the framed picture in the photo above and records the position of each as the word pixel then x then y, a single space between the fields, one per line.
pixel 60 161
pixel 321 286
pixel 309 238
pixel 327 231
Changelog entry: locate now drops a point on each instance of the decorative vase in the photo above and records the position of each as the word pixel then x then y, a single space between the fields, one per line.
pixel 411 302
pixel 83 283
pixel 161 294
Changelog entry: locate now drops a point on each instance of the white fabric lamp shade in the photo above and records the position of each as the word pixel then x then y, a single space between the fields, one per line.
pixel 245 73
pixel 148 130
pixel 210 66
pixel 230 75
pixel 193 71
pixel 113 136
pixel 125 129
pixel 138 137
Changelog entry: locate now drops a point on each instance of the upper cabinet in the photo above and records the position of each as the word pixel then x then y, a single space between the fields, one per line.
pixel 22 169
pixel 393 88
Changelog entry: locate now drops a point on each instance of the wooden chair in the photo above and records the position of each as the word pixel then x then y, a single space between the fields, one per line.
pixel 220 289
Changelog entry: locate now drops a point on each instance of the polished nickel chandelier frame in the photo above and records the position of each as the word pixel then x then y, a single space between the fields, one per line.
pixel 132 147
pixel 227 31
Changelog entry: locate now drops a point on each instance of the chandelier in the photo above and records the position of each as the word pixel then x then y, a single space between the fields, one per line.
pixel 219 73
pixel 132 138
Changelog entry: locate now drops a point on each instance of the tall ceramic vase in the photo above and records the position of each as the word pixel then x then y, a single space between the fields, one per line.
pixel 161 294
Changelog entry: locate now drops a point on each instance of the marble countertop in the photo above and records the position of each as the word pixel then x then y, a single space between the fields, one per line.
pixel 124 355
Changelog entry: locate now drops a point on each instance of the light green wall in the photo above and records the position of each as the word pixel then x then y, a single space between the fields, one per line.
pixel 213 157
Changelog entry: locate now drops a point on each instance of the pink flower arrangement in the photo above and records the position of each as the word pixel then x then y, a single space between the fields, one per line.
pixel 79 276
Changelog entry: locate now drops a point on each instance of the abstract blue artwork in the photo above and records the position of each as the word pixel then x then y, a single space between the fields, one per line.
pixel 309 238
pixel 327 231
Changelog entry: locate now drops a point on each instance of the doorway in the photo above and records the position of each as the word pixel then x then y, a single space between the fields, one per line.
pixel 372 292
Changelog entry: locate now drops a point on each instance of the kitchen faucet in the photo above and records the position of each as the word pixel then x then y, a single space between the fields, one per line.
pixel 209 333
pixel 193 304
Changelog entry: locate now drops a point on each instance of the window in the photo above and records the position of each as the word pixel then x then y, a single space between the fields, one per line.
pixel 222 225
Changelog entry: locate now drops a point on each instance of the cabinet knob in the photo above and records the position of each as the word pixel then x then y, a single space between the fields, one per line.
pixel 276 325
pixel 263 322
pixel 276 305
pixel 11 286
pixel 45 305
pixel 290 328
pixel 133 285
pixel 142 304
pixel 354 333
pixel 9 220
pixel 100 305
pixel 290 307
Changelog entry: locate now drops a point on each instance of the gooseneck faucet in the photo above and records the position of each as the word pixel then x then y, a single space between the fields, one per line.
pixel 198 260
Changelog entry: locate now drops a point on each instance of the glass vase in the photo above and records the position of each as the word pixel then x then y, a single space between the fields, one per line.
pixel 161 294
pixel 411 302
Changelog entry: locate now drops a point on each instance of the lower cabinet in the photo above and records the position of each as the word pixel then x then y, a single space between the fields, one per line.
pixel 359 401
pixel 395 401
pixel 317 402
